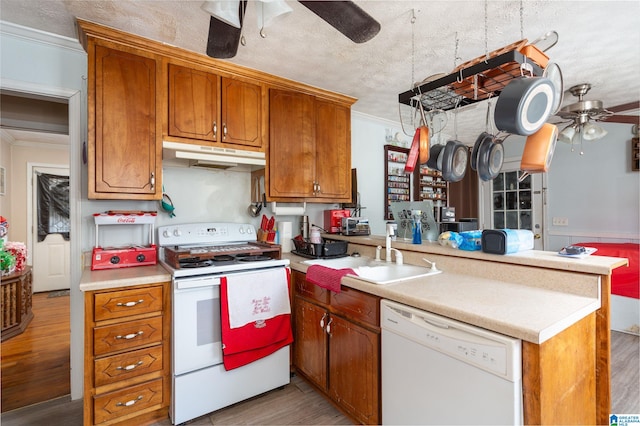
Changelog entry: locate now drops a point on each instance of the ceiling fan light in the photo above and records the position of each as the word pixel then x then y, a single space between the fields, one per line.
pixel 227 11
pixel 567 134
pixel 270 10
pixel 591 131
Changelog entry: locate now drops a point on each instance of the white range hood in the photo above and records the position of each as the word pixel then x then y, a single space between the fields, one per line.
pixel 213 157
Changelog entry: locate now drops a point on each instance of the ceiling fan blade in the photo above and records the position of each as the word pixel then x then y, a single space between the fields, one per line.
pixel 223 39
pixel 346 17
pixel 621 118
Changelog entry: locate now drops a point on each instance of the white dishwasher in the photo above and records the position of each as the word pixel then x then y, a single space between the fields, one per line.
pixel 439 371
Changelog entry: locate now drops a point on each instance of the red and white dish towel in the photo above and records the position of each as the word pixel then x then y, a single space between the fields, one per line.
pixel 255 316
pixel 328 278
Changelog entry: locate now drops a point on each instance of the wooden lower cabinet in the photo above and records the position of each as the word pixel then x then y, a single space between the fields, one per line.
pixel 127 355
pixel 337 346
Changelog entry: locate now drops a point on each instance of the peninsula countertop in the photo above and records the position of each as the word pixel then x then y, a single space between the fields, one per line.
pixel 534 313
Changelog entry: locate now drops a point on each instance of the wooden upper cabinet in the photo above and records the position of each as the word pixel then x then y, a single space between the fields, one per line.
pixel 241 113
pixel 193 103
pixel 124 153
pixel 333 151
pixel 292 160
pixel 206 107
pixel 309 148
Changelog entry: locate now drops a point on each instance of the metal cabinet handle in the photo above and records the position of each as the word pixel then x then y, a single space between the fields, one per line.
pixel 319 189
pixel 152 181
pixel 322 320
pixel 130 366
pixel 328 329
pixel 129 304
pixel 224 130
pixel 130 336
pixel 215 129
pixel 129 403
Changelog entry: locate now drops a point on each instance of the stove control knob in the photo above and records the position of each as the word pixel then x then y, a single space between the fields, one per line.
pixel 241 230
pixel 177 232
pixel 166 233
pixel 249 230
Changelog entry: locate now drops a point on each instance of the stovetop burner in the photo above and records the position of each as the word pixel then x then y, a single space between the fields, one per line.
pixel 252 258
pixel 195 263
pixel 223 258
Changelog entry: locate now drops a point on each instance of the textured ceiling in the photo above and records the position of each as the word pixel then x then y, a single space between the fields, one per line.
pixel 599 43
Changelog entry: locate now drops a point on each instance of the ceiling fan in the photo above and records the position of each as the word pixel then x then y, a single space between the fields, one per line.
pixel 225 28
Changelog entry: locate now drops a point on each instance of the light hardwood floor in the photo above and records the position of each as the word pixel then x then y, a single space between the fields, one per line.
pixel 296 404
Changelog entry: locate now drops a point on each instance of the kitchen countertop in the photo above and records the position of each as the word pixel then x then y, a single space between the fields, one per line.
pixel 122 277
pixel 530 312
pixel 501 303
pixel 600 265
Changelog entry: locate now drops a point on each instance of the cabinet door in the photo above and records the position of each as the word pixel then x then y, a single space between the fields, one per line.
pixel 354 369
pixel 333 151
pixel 292 162
pixel 194 97
pixel 310 347
pixel 241 113
pixel 125 161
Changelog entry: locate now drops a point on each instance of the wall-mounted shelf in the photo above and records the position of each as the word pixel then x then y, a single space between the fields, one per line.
pixel 397 183
pixel 475 83
pixel 429 185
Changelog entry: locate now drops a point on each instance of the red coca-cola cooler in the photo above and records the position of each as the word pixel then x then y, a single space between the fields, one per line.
pixel 130 254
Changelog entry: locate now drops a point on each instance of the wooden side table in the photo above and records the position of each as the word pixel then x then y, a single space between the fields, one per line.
pixel 16 300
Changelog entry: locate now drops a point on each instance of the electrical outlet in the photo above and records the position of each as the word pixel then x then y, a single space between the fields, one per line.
pixel 560 221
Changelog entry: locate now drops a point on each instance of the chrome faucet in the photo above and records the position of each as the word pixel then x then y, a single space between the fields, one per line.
pixel 387 245
pixel 388 249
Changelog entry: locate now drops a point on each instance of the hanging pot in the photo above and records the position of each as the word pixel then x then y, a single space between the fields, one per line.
pixel 524 105
pixel 538 149
pixel 554 74
pixel 454 161
pixel 490 158
pixel 474 150
pixel 424 144
pixel 435 162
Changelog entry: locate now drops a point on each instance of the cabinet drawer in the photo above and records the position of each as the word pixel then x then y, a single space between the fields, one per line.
pixel 127 401
pixel 131 364
pixel 119 304
pixel 311 291
pixel 357 306
pixel 127 335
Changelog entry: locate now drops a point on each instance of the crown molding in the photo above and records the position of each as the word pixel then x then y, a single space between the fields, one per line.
pixel 39 36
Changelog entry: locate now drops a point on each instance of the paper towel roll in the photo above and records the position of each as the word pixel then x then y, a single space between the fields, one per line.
pixel 285 230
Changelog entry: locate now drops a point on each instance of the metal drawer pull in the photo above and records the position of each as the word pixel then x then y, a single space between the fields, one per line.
pixel 130 336
pixel 129 403
pixel 328 329
pixel 130 366
pixel 322 320
pixel 129 304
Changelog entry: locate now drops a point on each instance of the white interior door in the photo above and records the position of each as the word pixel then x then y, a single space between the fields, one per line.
pixel 51 256
pixel 509 203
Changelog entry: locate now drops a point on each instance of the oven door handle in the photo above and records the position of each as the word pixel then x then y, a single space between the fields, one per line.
pixel 184 284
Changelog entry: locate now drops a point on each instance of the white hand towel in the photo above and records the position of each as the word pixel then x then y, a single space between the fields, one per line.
pixel 258 295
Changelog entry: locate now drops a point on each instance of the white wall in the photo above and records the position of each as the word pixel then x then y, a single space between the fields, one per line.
pixel 368 137
pixel 40 63
pixel 597 192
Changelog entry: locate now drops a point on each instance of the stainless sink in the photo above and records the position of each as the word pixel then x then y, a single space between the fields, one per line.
pixel 375 272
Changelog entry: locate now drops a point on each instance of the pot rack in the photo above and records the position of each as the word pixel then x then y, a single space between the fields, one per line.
pixel 475 83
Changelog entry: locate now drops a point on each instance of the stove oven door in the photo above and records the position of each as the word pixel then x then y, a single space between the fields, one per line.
pixel 196 330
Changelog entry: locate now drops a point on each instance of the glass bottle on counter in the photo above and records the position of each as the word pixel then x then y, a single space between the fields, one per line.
pixel 417 227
